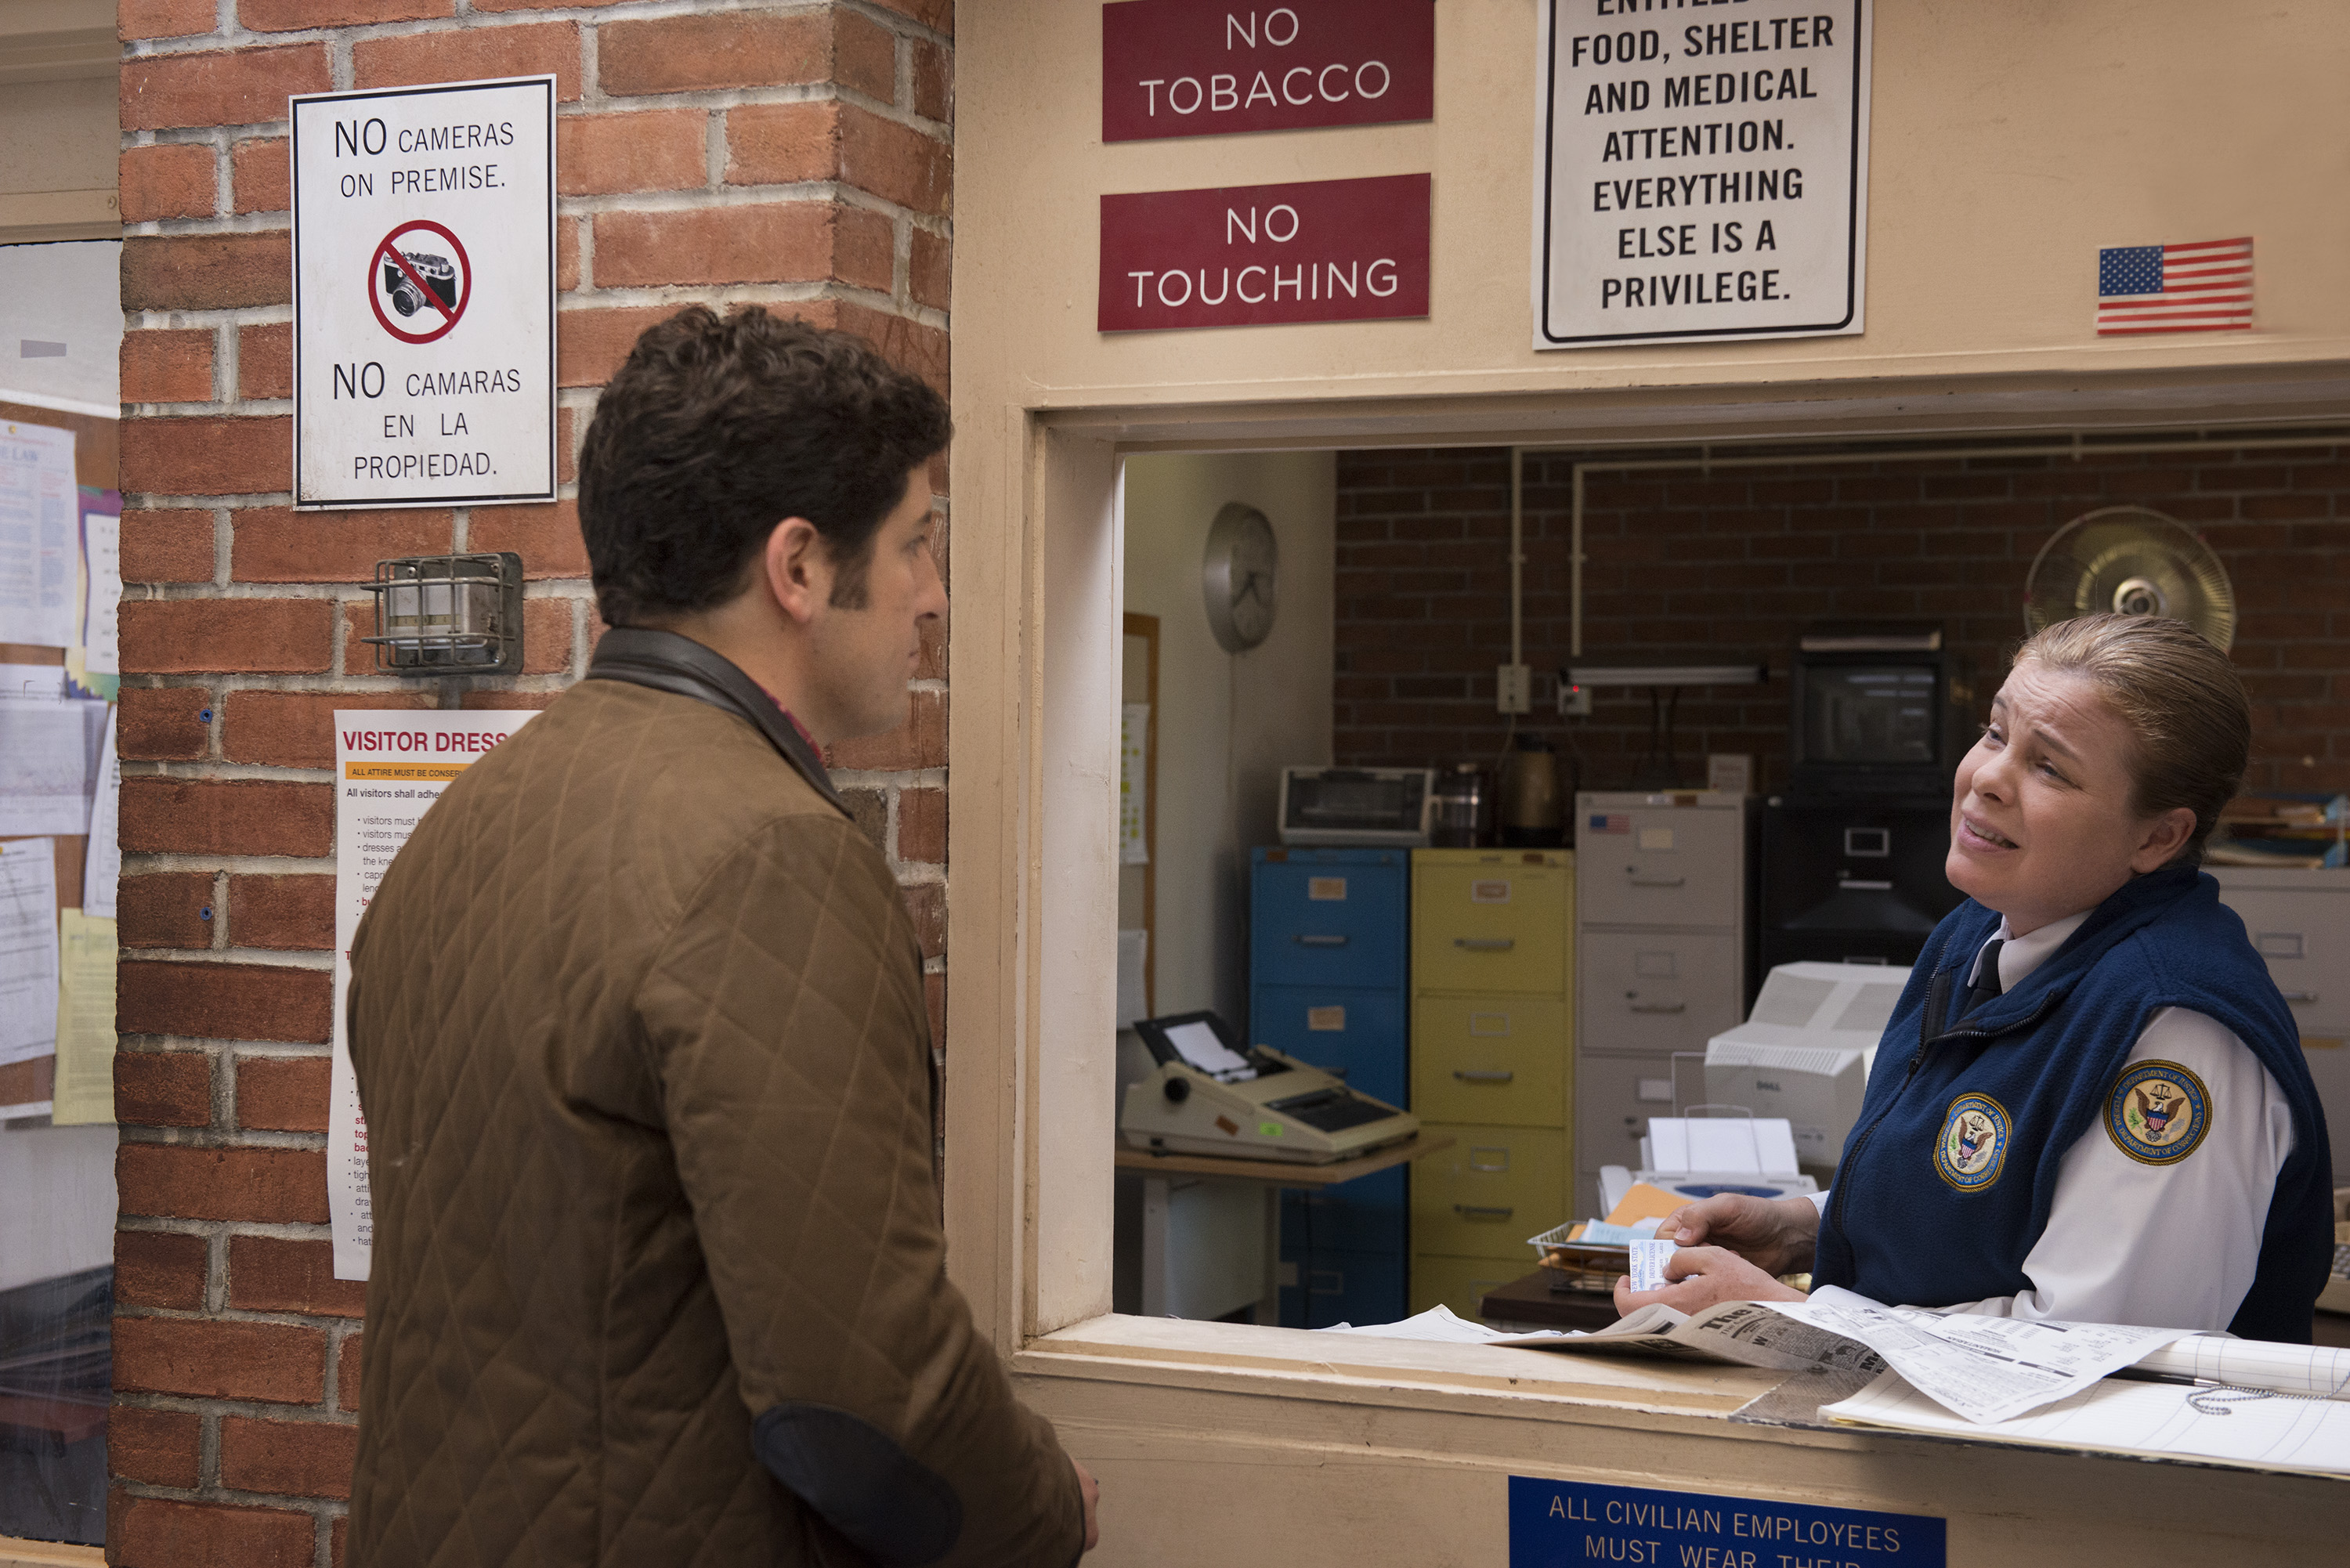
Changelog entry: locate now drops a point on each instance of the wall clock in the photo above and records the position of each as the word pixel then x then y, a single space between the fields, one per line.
pixel 1237 577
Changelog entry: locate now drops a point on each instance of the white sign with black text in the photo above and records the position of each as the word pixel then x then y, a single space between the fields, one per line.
pixel 390 766
pixel 424 296
pixel 1700 172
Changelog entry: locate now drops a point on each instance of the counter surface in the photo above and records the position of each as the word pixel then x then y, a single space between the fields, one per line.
pixel 1265 1444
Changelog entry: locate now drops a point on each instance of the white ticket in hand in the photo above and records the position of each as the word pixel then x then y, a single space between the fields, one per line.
pixel 1649 1261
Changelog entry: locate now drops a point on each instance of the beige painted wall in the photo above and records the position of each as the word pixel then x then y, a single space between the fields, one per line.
pixel 1227 722
pixel 2009 140
pixel 58 138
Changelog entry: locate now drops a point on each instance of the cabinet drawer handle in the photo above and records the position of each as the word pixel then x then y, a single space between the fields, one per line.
pixel 1482 1074
pixel 1659 881
pixel 1481 1211
pixel 1322 942
pixel 2298 996
pixel 1485 944
pixel 1660 1007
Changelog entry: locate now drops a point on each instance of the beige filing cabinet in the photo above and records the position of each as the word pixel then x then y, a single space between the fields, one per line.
pixel 1493 1064
pixel 2299 922
pixel 1660 950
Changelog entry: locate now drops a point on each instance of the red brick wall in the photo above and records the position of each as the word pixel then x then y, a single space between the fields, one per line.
pixel 794 154
pixel 1686 565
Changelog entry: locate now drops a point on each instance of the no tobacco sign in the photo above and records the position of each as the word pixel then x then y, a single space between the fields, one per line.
pixel 424 296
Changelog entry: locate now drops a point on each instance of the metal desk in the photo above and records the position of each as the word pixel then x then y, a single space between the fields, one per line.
pixel 1272 1175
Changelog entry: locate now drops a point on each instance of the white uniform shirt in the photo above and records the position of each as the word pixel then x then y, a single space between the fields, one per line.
pixel 2164 1246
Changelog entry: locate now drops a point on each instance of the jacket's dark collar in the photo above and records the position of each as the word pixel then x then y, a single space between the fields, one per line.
pixel 2138 903
pixel 667 662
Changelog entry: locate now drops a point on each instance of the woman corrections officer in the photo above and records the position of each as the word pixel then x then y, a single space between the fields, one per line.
pixel 2091 1103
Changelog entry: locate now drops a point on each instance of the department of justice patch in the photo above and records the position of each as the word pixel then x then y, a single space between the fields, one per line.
pixel 1973 1145
pixel 2157 1112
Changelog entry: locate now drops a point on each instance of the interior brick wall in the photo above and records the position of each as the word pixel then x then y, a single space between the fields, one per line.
pixel 797 155
pixel 1727 564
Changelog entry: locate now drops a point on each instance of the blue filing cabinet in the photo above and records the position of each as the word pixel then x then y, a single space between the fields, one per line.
pixel 1327 955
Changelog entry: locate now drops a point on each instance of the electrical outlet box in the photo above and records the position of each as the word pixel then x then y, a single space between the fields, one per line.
pixel 1574 702
pixel 1513 689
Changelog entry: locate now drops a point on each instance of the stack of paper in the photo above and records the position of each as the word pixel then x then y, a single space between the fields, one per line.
pixel 2258 1428
pixel 2019 1380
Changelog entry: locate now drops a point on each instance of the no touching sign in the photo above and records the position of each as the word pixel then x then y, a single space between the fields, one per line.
pixel 424 296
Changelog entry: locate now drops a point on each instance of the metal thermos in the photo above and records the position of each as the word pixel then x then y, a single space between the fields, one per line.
pixel 1534 814
pixel 1463 817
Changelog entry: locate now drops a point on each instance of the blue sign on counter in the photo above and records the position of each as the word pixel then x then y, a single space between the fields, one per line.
pixel 1555 1523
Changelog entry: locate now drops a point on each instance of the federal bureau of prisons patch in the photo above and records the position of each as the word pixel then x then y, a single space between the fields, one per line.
pixel 1972 1148
pixel 2157 1112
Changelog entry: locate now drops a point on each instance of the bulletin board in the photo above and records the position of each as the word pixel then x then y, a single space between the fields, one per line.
pixel 96 460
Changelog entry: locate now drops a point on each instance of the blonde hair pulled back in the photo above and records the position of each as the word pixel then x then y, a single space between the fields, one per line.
pixel 2183 701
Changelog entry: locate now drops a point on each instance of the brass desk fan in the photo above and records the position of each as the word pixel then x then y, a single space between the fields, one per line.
pixel 2129 560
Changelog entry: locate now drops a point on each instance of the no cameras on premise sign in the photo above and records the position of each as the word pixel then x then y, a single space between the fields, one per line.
pixel 424 296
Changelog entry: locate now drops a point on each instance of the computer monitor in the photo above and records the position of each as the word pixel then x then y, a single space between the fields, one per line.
pixel 1875 710
pixel 1806 1050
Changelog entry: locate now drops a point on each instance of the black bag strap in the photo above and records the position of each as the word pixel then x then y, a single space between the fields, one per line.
pixel 667 662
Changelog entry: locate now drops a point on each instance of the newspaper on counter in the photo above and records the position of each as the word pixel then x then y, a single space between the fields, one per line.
pixel 1983 1368
pixel 2233 1424
pixel 1745 1334
pixel 1980 1368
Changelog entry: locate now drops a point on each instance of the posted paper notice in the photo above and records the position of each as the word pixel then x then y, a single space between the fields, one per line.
pixel 85 1037
pixel 28 949
pixel 39 508
pixel 389 767
pixel 45 757
pixel 101 860
pixel 101 635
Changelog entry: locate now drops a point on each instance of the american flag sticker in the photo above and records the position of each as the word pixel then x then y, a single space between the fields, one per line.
pixel 2205 286
pixel 1611 823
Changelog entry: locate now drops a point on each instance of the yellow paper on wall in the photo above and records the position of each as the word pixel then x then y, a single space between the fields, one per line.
pixel 85 1086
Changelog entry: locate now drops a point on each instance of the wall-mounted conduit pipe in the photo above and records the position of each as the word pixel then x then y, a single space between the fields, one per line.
pixel 2074 448
pixel 1517 555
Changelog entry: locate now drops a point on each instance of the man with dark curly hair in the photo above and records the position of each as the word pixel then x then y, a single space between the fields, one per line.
pixel 640 1031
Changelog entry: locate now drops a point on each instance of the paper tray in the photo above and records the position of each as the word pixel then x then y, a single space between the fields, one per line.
pixel 1592 1265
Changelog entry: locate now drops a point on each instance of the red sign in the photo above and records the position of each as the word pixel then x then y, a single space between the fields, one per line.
pixel 1213 68
pixel 1249 256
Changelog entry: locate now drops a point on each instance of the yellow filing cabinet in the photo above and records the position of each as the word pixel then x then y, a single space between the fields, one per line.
pixel 1493 1064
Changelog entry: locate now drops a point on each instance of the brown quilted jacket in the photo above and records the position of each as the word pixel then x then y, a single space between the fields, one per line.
pixel 640 1036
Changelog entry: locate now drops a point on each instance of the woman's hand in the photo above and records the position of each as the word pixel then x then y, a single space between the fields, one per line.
pixel 1698 1277
pixel 1777 1235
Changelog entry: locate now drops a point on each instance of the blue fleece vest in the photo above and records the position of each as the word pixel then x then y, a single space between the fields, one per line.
pixel 1937 1202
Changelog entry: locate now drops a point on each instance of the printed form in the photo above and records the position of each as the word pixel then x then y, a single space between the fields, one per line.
pixel 389 767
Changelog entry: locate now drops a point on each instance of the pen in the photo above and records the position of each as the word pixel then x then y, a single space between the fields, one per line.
pixel 2139 1375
